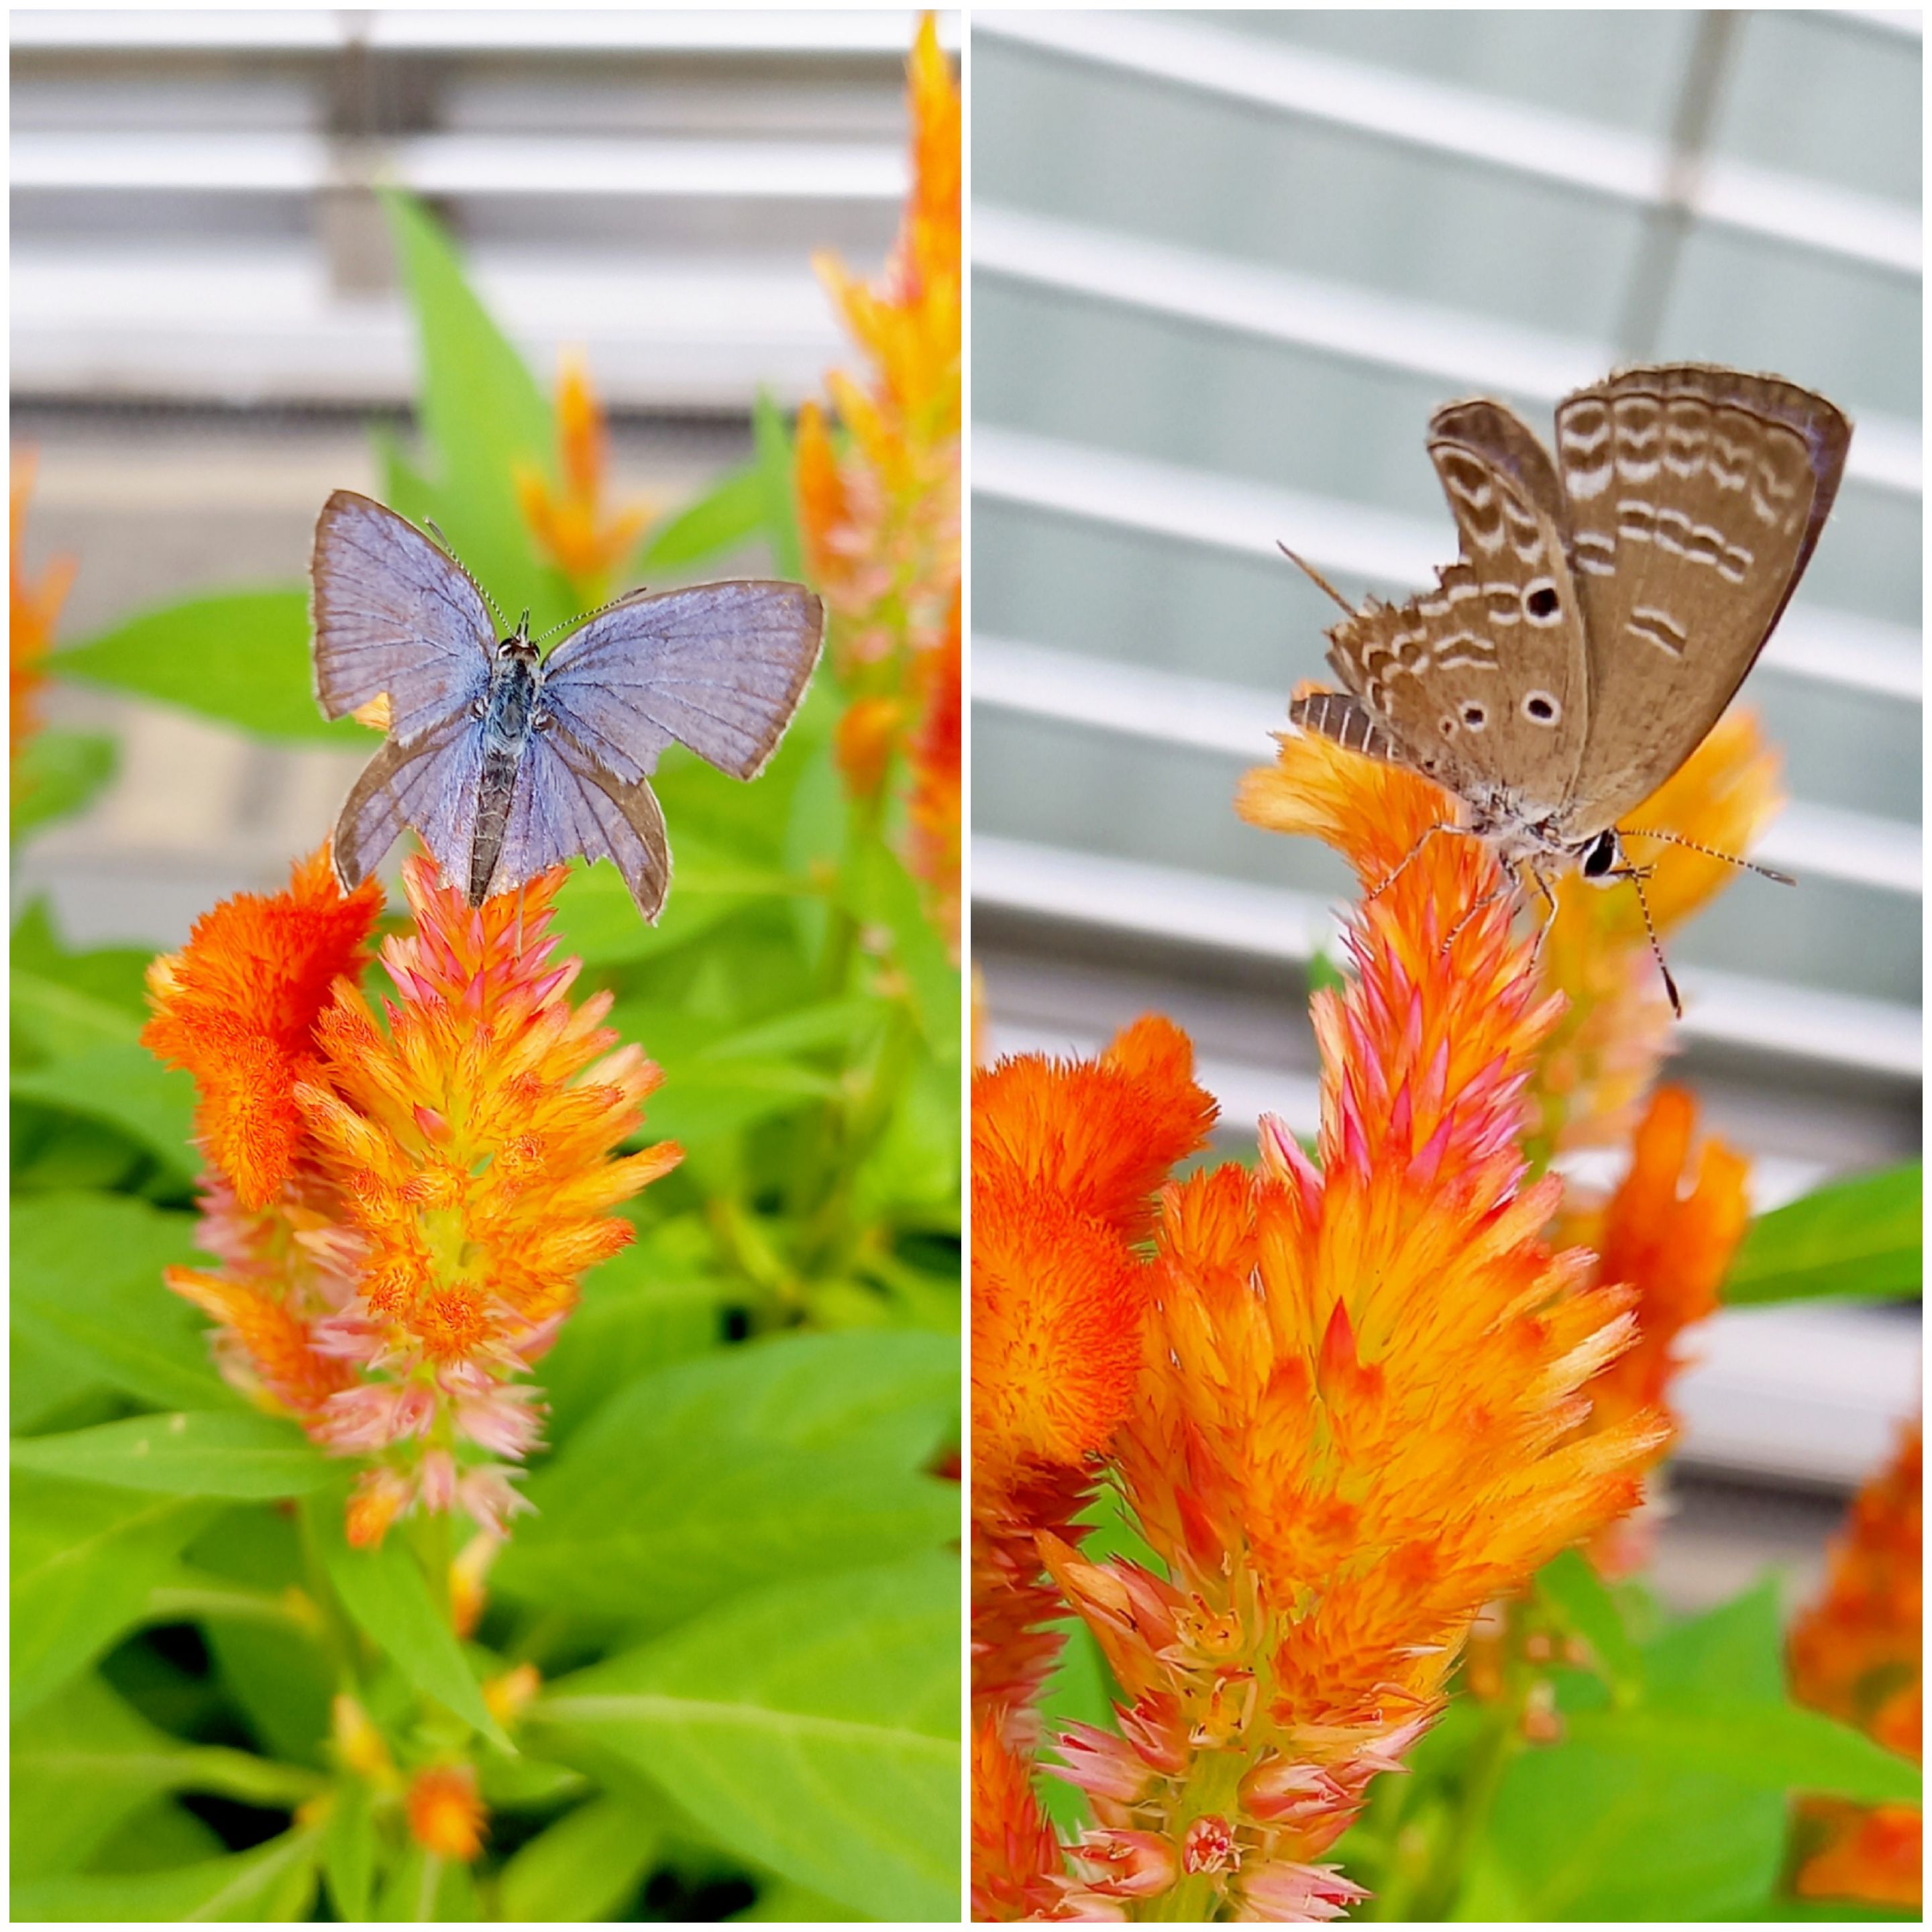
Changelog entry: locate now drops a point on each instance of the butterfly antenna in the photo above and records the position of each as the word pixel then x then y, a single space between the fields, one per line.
pixel 1637 878
pixel 589 616
pixel 1711 852
pixel 1314 576
pixel 496 609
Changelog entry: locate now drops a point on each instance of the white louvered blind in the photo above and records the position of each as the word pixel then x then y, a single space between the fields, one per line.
pixel 191 222
pixel 1224 266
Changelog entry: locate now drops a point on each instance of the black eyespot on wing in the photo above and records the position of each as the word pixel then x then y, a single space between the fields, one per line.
pixel 1474 716
pixel 1542 601
pixel 1539 707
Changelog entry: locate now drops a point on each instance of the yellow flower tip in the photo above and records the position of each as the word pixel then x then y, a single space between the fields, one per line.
pixel 446 1815
pixel 511 1694
pixel 379 1497
pixel 867 735
pixel 358 1744
pixel 467 1594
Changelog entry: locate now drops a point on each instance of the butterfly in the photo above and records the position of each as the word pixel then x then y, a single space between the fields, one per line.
pixel 1605 609
pixel 506 762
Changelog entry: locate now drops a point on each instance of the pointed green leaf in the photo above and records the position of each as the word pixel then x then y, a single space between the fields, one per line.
pixel 238 657
pixel 227 1452
pixel 727 516
pixel 123 1086
pixel 87 1282
pixel 55 775
pixel 583 1867
pixel 815 1726
pixel 385 1592
pixel 274 1882
pixel 1861 1237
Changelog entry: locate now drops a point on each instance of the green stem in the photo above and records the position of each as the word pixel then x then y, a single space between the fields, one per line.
pixel 1490 1756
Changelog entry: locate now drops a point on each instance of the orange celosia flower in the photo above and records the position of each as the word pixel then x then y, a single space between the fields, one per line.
pixel 34 609
pixel 1605 1050
pixel 1673 1244
pixel 444 1182
pixel 1064 1158
pixel 1361 1411
pixel 570 525
pixel 447 1817
pixel 237 1007
pixel 1017 1871
pixel 935 804
pixel 1857 1655
pixel 879 519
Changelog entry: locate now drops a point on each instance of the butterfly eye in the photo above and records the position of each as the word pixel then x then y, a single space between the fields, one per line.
pixel 1540 706
pixel 1601 855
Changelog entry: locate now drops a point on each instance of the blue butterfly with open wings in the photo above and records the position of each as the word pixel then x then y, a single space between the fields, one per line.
pixel 506 763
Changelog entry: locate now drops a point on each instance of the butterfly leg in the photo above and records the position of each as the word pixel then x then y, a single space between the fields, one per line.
pixel 1549 918
pixel 1488 899
pixel 1428 832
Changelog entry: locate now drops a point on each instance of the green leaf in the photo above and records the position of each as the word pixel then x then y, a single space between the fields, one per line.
pixel 785 1903
pixel 831 1023
pixel 786 1458
pixel 583 1867
pixel 349 1852
pixel 115 974
pixel 87 1282
pixel 274 1882
pixel 1585 1834
pixel 55 774
pixel 637 1314
pixel 240 657
pixel 483 416
pixel 1735 1652
pixel 773 441
pixel 1323 975
pixel 124 1086
pixel 598 921
pixel 225 1454
pixel 86 1760
pixel 84 1561
pixel 384 1591
pixel 1078 1690
pixel 1861 1237
pixel 60 1022
pixel 703 1099
pixel 1571 1584
pixel 726 517
pixel 813 1727
pixel 885 893
pixel 1765 1746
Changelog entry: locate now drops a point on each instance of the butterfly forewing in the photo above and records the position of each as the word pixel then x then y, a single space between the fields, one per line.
pixel 720 668
pixel 393 614
pixel 1482 680
pixel 1695 497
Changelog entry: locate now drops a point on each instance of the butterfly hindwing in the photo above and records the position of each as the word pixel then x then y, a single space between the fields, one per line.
pixel 1695 496
pixel 1482 681
pixel 393 614
pixel 720 668
pixel 430 785
pixel 565 804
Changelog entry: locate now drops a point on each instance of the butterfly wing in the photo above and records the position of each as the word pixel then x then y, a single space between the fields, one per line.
pixel 431 785
pixel 565 804
pixel 1695 498
pixel 393 613
pixel 1482 682
pixel 720 668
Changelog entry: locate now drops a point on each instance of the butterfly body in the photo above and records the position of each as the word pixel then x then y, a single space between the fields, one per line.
pixel 506 762
pixel 1607 603
pixel 510 712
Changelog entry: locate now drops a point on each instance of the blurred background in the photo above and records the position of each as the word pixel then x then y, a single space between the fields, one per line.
pixel 206 318
pixel 1224 267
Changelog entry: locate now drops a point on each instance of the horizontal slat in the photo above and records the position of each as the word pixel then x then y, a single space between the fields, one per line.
pixel 1124 896
pixel 263 325
pixel 1223 512
pixel 1472 351
pixel 1072 688
pixel 1448 120
pixel 473 30
pixel 459 164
